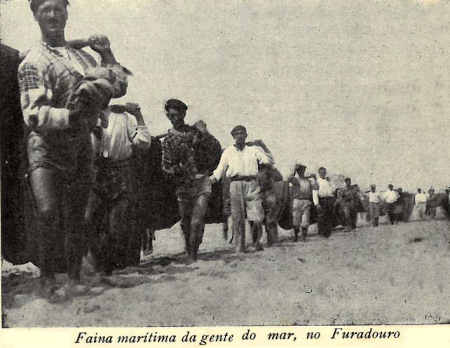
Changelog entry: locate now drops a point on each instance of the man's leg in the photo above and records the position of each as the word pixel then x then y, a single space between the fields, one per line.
pixel 44 184
pixel 296 217
pixel 328 211
pixel 354 217
pixel 255 213
pixel 271 214
pixel 94 220
pixel 76 199
pixel 390 211
pixel 347 217
pixel 306 218
pixel 185 210
pixel 257 231
pixel 198 223
pixel 321 223
pixel 238 214
pixel 376 215
pixel 372 214
pixel 134 235
pixel 325 217
pixel 421 211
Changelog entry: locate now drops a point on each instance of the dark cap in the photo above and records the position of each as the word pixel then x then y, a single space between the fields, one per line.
pixel 35 4
pixel 175 104
pixel 299 166
pixel 238 128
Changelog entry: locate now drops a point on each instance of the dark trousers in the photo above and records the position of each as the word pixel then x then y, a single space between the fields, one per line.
pixel 60 202
pixel 325 216
pixel 390 210
pixel 111 217
pixel 350 215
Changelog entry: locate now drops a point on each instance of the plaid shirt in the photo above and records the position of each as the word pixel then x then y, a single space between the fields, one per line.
pixel 46 81
pixel 188 153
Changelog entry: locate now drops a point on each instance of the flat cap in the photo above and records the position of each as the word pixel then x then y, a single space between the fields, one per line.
pixel 238 128
pixel 175 104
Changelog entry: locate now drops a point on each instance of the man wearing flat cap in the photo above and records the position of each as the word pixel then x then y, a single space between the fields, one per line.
pixel 189 155
pixel 240 163
pixel 302 200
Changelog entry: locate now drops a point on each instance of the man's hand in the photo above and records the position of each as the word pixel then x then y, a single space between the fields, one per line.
pixel 99 43
pixel 133 108
pixel 212 179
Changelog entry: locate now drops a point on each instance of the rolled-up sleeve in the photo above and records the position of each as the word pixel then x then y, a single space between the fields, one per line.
pixel 35 99
pixel 263 157
pixel 222 166
pixel 138 135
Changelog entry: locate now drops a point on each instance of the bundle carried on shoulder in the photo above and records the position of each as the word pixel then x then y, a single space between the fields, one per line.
pixel 94 91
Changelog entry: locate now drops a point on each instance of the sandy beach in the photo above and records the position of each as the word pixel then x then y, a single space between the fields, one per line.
pixel 391 274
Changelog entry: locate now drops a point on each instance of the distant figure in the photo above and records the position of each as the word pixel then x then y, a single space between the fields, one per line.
pixel 374 205
pixel 323 197
pixel 302 201
pixel 429 210
pixel 348 202
pixel 420 202
pixel 391 197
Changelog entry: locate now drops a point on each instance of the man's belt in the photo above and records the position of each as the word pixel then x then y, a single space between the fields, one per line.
pixel 303 198
pixel 243 178
pixel 109 163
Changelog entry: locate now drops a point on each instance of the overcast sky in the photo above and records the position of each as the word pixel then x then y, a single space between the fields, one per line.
pixel 359 86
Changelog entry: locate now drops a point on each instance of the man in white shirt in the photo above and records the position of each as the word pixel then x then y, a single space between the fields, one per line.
pixel 374 205
pixel 324 199
pixel 111 205
pixel 421 202
pixel 390 197
pixel 239 163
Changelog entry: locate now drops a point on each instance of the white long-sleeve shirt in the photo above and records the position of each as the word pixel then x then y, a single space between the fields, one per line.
pixel 324 189
pixel 121 134
pixel 421 198
pixel 374 197
pixel 241 162
pixel 391 196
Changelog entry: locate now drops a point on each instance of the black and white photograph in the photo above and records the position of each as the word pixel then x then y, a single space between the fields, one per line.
pixel 211 163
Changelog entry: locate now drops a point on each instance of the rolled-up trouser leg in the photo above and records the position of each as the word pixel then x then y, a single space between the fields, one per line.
pixel 75 203
pixel 184 210
pixel 45 185
pixel 200 205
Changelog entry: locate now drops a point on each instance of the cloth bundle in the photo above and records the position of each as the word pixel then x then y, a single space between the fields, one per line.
pixel 94 91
